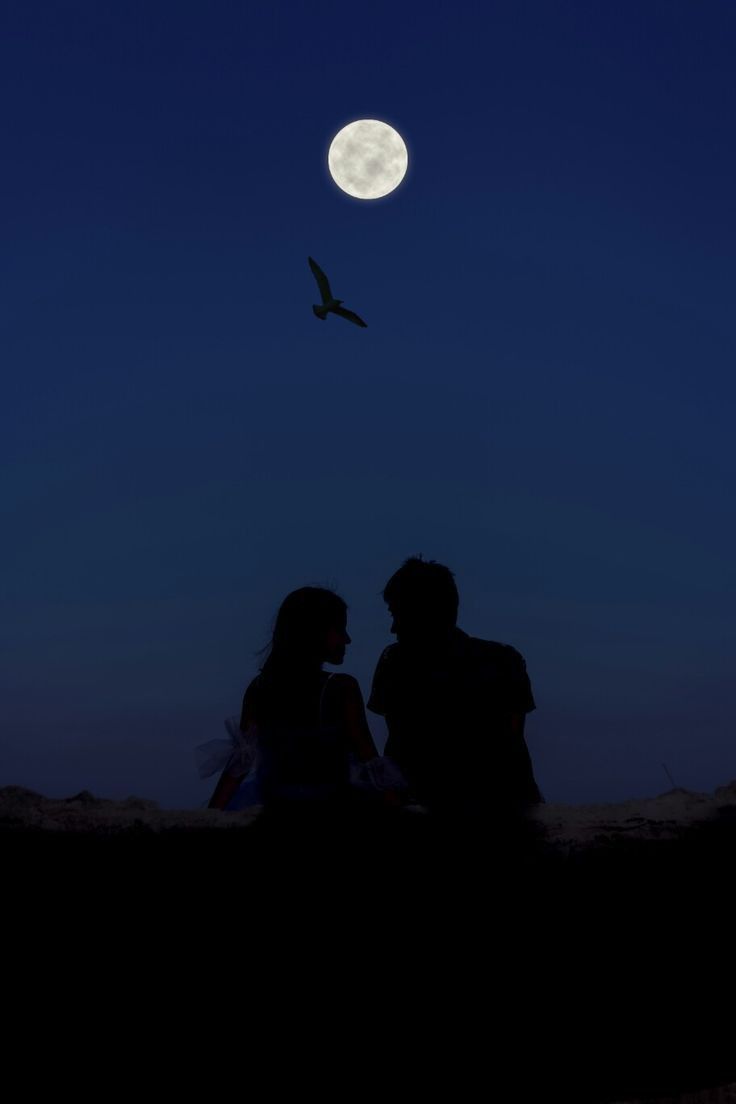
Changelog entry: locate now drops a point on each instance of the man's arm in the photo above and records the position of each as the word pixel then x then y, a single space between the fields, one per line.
pixel 530 791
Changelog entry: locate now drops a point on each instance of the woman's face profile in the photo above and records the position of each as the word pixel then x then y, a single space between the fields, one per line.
pixel 336 643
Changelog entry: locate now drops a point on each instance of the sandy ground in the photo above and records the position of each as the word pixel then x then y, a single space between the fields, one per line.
pixel 21 808
pixel 726 1094
pixel 662 817
pixel 565 826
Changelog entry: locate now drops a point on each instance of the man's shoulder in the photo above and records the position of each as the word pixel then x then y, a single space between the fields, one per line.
pixel 501 670
pixel 388 657
pixel 494 650
pixel 474 647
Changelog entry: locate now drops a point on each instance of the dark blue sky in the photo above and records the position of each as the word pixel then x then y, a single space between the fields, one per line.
pixel 543 398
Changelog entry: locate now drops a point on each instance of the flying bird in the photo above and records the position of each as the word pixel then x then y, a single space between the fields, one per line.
pixel 329 303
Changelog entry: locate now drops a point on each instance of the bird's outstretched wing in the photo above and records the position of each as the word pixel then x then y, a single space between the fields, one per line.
pixel 350 315
pixel 322 281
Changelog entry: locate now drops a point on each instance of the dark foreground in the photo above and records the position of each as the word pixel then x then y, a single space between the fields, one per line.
pixel 399 954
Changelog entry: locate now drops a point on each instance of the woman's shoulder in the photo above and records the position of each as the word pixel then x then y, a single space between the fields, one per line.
pixel 253 687
pixel 342 683
pixel 255 693
pixel 342 678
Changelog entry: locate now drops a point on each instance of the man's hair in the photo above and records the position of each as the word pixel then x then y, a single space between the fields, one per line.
pixel 423 590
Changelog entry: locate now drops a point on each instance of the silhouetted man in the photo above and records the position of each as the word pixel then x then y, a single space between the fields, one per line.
pixel 454 705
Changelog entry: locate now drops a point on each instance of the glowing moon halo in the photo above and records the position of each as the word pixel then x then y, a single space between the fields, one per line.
pixel 367 159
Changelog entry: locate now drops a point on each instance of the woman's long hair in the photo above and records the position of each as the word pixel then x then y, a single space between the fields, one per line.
pixel 289 678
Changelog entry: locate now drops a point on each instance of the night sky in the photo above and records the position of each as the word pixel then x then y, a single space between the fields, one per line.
pixel 543 398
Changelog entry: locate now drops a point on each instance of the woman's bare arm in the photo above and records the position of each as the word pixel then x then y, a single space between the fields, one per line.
pixel 228 783
pixel 226 786
pixel 360 739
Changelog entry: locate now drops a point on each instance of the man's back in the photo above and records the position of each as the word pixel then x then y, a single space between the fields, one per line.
pixel 455 716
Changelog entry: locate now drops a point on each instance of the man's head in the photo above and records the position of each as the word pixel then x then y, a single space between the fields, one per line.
pixel 423 601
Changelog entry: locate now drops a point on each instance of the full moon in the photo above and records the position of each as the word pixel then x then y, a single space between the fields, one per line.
pixel 367 159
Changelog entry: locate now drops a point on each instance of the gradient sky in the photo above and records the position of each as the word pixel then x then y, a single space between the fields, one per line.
pixel 543 398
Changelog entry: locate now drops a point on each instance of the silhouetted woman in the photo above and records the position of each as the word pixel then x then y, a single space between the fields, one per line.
pixel 309 725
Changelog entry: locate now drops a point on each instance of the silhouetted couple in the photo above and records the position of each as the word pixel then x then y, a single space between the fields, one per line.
pixel 454 707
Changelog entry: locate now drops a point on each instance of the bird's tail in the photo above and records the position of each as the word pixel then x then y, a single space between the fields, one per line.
pixel 321 312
